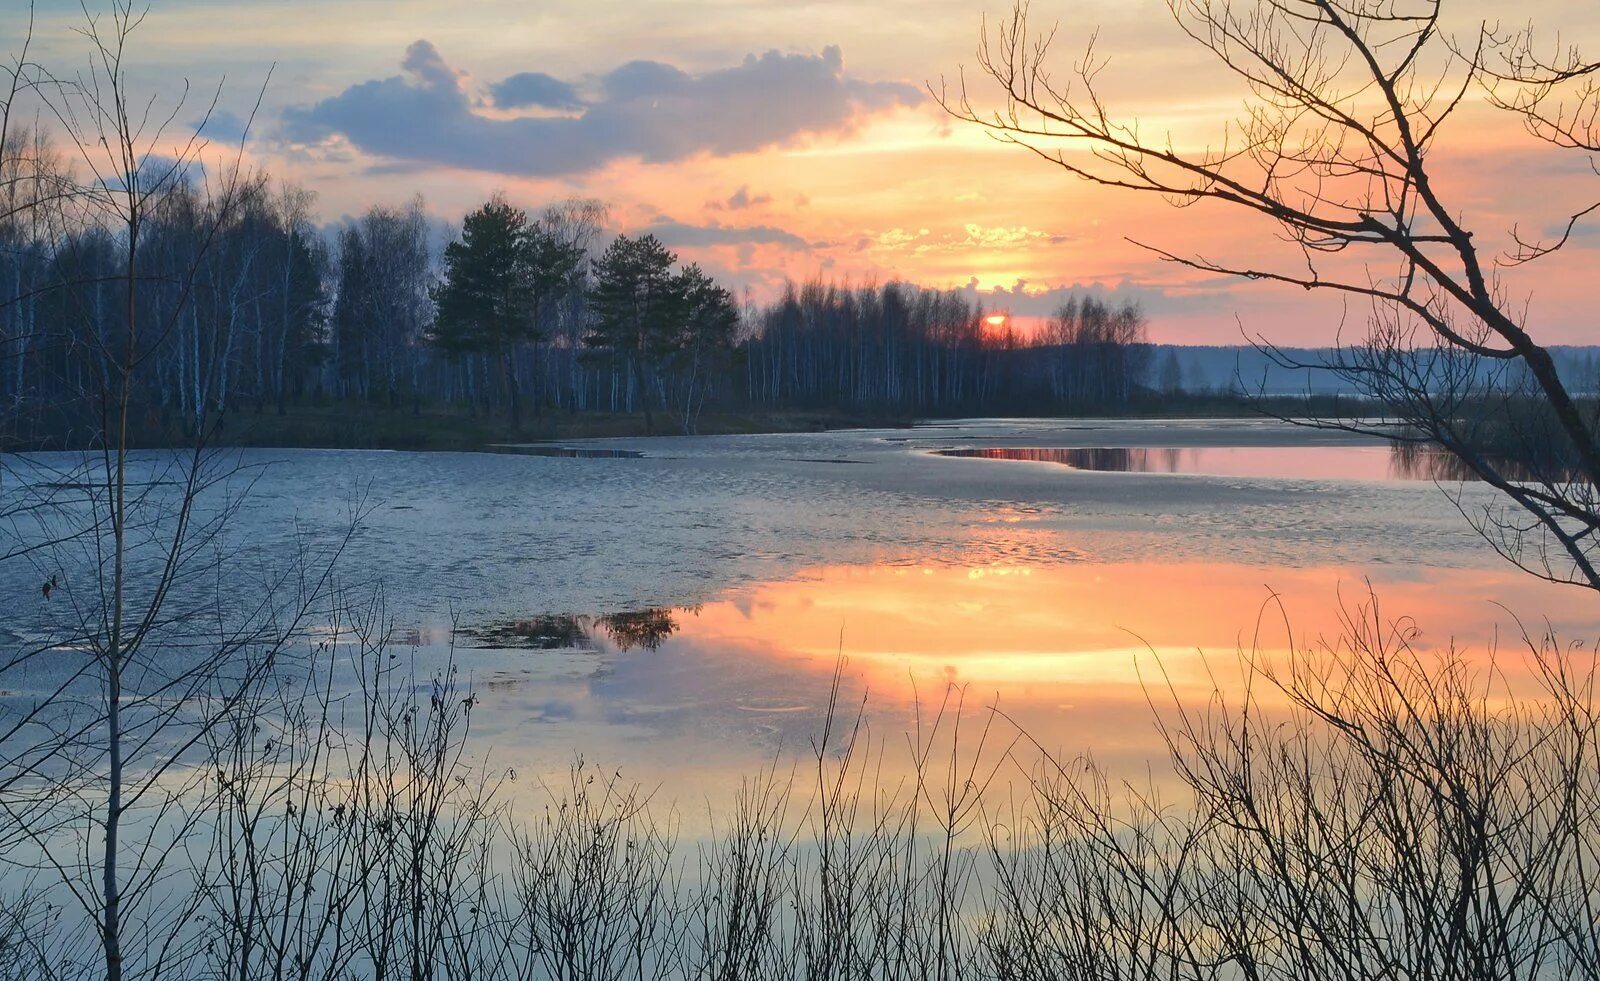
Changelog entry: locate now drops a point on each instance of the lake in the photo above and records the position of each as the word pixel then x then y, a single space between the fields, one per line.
pixel 675 607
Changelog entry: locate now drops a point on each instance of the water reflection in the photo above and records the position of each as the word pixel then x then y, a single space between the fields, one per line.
pixel 575 452
pixel 1399 461
pixel 1073 653
pixel 644 629
pixel 1415 461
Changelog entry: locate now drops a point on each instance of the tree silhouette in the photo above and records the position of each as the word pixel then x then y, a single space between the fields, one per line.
pixel 636 306
pixel 708 323
pixel 1338 145
pixel 487 300
pixel 645 629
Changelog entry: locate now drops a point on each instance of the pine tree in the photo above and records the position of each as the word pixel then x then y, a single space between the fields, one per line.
pixel 553 265
pixel 708 319
pixel 636 310
pixel 486 301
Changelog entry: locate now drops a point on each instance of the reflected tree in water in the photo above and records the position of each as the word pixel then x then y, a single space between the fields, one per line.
pixel 546 632
pixel 646 629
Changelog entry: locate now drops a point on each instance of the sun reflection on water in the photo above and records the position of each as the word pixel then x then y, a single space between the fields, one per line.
pixel 1077 655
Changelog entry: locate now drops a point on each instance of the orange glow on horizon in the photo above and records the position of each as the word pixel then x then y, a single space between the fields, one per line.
pixel 809 198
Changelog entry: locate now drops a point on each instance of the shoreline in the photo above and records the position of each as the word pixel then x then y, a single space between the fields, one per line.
pixel 434 428
pixel 366 427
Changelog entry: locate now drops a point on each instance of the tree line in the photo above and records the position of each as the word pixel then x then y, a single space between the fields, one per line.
pixel 519 313
pixel 933 353
pixel 188 794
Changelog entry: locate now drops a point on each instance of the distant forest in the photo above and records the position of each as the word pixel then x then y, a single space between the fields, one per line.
pixel 259 309
pixel 520 314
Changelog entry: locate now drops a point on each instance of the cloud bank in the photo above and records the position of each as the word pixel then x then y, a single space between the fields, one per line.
pixel 644 110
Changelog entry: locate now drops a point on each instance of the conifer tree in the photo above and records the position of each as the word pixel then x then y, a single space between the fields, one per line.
pixel 708 322
pixel 636 308
pixel 486 300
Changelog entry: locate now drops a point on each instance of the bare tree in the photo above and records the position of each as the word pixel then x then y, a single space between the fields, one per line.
pixel 144 655
pixel 1345 103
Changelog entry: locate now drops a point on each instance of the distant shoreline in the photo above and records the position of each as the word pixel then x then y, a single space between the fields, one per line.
pixel 345 425
pixel 342 425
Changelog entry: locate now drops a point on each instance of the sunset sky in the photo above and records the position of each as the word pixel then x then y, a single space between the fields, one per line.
pixel 791 139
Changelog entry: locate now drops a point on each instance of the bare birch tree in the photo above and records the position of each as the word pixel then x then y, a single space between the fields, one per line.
pixel 1339 145
pixel 146 648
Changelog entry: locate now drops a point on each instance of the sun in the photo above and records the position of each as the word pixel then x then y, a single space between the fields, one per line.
pixel 997 320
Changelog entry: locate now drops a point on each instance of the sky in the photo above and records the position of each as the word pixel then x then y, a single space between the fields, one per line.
pixel 775 141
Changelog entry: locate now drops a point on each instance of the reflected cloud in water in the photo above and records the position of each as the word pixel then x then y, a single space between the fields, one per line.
pixel 1073 653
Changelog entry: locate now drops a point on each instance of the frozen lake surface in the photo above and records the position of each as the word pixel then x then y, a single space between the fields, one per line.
pixel 674 607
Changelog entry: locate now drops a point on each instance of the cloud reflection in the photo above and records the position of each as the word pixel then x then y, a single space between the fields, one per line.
pixel 1075 654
